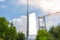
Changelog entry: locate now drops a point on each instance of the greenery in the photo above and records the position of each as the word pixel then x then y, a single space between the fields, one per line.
pixel 52 34
pixel 55 31
pixel 21 36
pixel 8 31
pixel 44 35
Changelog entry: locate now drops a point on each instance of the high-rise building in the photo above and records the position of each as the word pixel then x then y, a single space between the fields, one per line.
pixel 32 26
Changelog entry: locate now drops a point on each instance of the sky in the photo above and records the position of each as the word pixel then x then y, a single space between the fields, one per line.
pixel 16 10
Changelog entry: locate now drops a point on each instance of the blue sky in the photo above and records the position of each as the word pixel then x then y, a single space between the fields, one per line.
pixel 16 10
pixel 10 10
pixel 16 13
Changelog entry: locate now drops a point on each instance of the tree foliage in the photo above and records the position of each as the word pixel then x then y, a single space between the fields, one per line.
pixel 11 33
pixel 21 36
pixel 44 35
pixel 3 26
pixel 56 32
pixel 8 31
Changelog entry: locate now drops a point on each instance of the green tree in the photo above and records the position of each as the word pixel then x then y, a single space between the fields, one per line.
pixel 1 39
pixel 43 35
pixel 50 37
pixel 3 26
pixel 56 32
pixel 8 31
pixel 11 33
pixel 21 36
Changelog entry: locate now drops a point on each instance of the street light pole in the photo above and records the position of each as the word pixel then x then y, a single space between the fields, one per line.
pixel 27 32
pixel 44 21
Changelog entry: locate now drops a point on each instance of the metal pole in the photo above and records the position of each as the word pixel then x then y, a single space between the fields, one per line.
pixel 27 33
pixel 44 21
pixel 38 23
pixel 44 27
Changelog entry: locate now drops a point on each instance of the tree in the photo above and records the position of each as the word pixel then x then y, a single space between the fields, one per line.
pixel 21 36
pixel 50 37
pixel 11 33
pixel 56 32
pixel 8 31
pixel 3 26
pixel 1 39
pixel 43 35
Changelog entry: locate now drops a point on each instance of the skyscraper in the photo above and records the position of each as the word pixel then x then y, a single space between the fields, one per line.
pixel 32 25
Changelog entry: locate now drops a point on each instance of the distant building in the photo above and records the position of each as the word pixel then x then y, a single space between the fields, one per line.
pixel 32 37
pixel 32 26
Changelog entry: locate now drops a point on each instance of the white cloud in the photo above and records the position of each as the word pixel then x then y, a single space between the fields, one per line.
pixel 50 5
pixel 30 2
pixel 45 5
pixel 2 0
pixel 52 20
pixel 20 23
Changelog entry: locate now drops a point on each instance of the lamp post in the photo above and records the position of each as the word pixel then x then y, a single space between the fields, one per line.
pixel 27 32
pixel 43 17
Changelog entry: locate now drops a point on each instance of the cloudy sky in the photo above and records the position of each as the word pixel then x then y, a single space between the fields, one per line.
pixel 16 10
